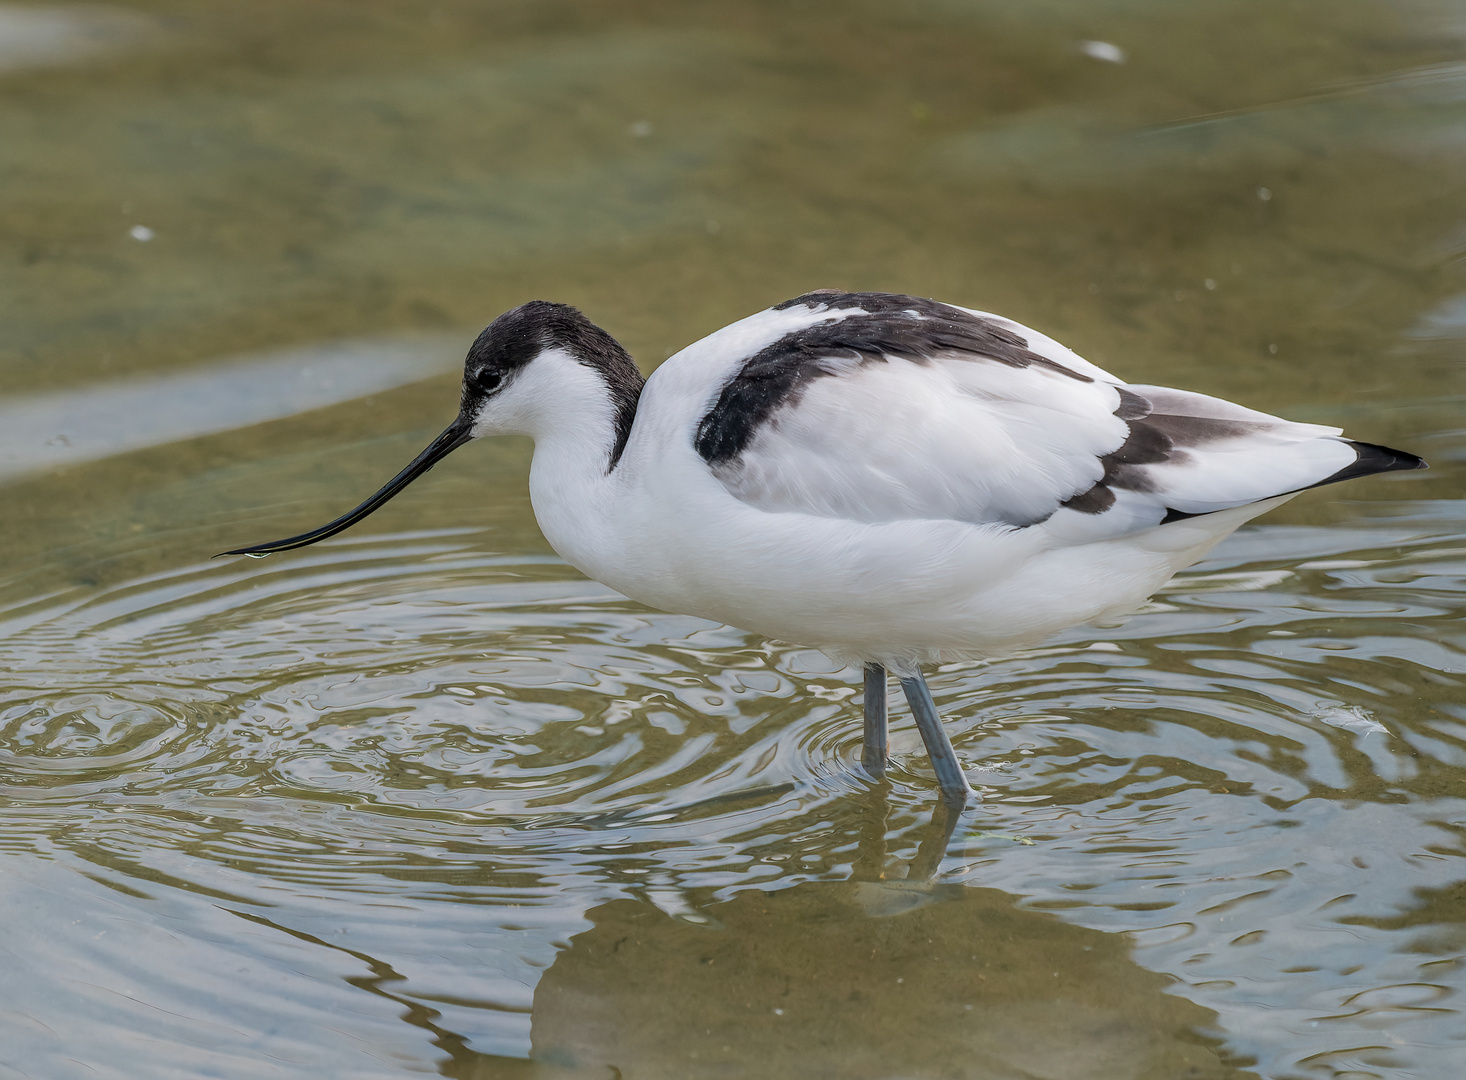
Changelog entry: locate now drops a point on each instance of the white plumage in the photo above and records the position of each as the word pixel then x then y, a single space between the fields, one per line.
pixel 889 479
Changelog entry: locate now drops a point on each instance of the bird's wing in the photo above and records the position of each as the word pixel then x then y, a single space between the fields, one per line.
pixel 1210 455
pixel 898 408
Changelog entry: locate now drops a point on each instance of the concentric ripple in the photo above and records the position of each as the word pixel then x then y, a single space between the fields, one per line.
pixel 414 674
pixel 1273 752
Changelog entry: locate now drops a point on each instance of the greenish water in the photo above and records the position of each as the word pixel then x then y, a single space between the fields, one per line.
pixel 422 800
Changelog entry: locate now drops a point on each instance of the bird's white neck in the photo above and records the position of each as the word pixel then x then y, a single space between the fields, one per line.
pixel 573 414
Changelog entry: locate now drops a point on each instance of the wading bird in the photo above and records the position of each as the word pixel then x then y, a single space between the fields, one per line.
pixel 889 479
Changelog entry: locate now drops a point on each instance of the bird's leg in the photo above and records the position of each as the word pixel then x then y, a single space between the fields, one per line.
pixel 950 777
pixel 873 754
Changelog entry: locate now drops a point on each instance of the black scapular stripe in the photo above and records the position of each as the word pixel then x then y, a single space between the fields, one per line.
pixel 907 327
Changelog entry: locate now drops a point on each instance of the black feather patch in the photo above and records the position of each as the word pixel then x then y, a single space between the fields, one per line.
pixel 1132 405
pixel 1096 500
pixel 1153 438
pixel 907 327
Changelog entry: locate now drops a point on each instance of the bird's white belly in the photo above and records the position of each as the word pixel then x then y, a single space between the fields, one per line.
pixel 900 593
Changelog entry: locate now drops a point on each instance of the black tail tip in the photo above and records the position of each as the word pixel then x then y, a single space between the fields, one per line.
pixel 1375 459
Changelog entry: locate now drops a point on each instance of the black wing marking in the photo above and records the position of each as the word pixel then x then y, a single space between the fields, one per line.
pixel 1158 437
pixel 908 327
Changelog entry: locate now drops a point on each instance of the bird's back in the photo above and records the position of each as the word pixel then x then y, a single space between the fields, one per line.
pixel 874 407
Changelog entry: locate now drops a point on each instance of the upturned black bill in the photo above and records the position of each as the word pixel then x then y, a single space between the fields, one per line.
pixel 454 436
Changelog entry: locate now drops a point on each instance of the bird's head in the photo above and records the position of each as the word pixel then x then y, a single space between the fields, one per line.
pixel 514 373
pixel 521 366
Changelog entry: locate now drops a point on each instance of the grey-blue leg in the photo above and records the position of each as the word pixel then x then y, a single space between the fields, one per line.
pixel 950 777
pixel 873 755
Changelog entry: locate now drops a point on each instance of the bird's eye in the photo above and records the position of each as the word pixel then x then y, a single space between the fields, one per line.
pixel 488 380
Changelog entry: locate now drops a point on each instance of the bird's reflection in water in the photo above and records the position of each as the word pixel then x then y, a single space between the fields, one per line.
pixel 888 974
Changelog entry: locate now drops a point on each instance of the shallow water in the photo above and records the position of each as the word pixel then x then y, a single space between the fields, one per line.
pixel 423 800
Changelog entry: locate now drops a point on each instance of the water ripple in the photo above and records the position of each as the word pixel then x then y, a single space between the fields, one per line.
pixel 1262 771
